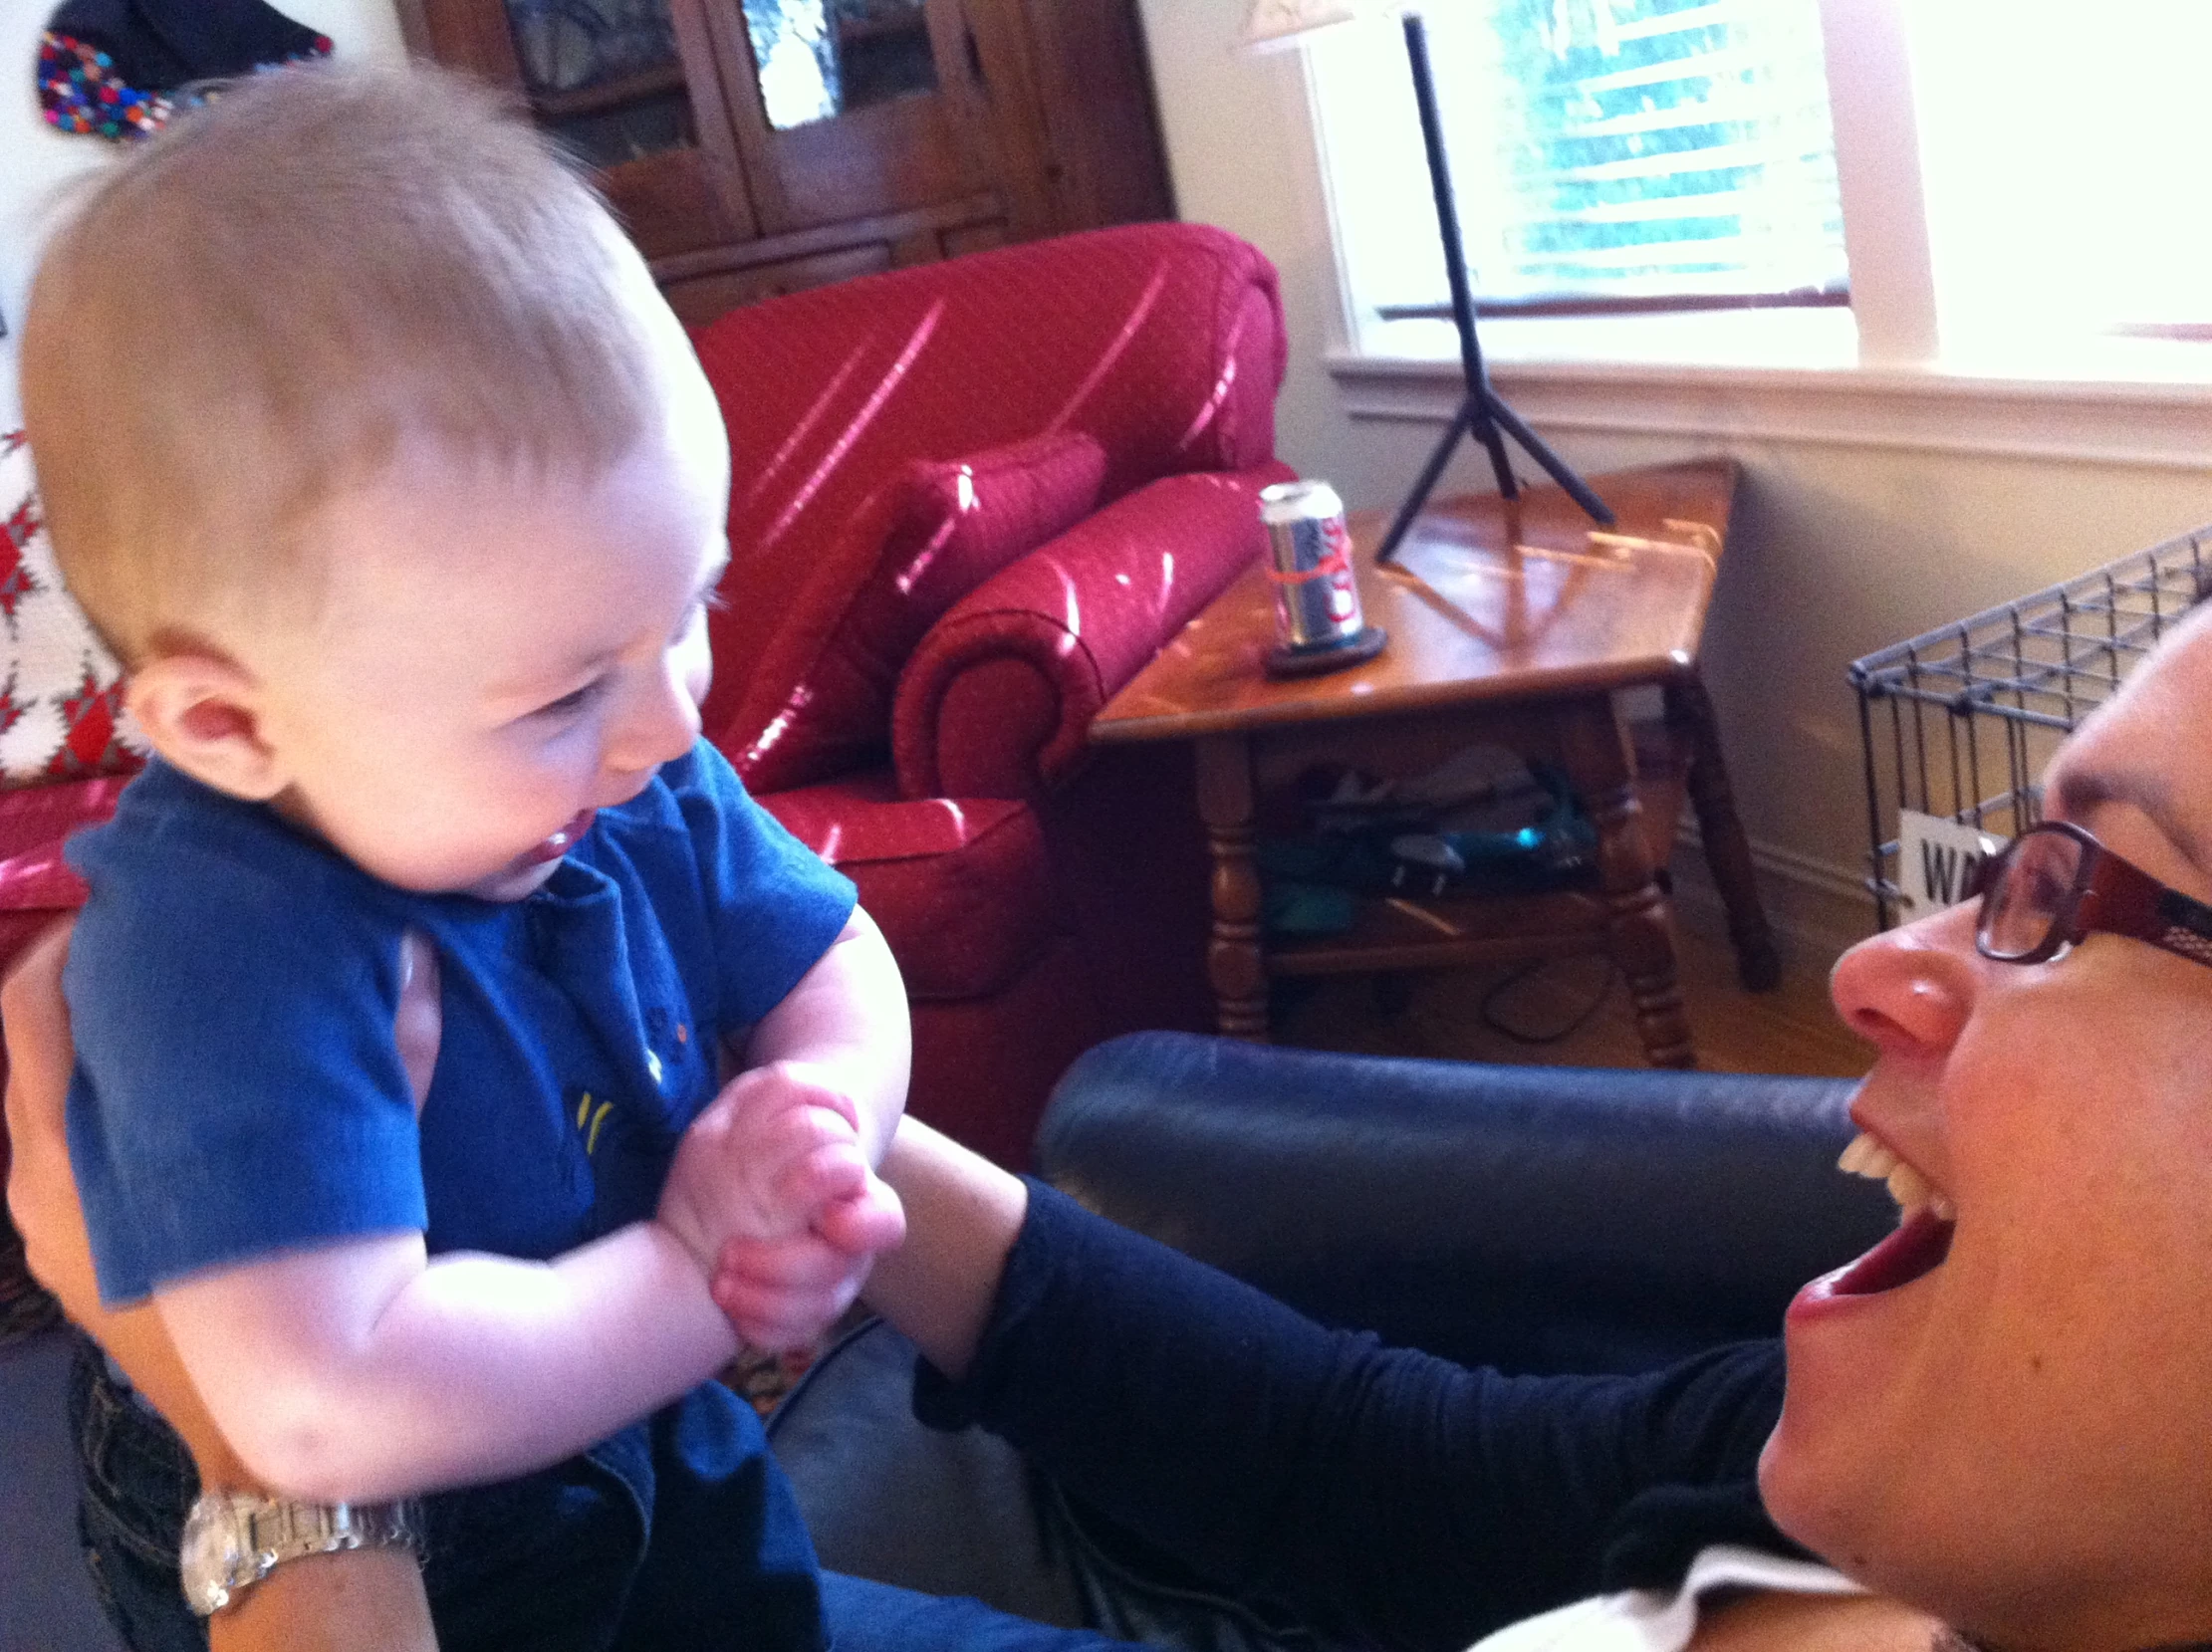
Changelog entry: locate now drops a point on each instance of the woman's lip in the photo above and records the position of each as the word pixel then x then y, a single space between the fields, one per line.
pixel 560 842
pixel 1917 1248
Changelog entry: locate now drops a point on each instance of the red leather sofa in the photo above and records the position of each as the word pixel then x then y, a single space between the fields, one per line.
pixel 969 501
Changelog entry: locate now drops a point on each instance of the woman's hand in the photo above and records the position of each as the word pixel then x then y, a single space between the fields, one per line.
pixel 371 1600
pixel 42 1198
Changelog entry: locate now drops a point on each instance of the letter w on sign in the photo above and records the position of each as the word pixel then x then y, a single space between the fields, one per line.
pixel 1938 861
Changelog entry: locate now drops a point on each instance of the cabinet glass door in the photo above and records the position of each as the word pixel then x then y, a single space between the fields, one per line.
pixel 604 76
pixel 819 59
pixel 859 110
pixel 630 88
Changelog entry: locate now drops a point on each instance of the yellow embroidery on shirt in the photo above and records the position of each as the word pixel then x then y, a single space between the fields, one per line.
pixel 588 1121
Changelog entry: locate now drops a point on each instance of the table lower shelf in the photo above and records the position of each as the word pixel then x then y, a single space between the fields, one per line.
pixel 1483 929
pixel 1391 933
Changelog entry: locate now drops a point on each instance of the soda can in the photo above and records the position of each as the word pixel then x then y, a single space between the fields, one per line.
pixel 1316 600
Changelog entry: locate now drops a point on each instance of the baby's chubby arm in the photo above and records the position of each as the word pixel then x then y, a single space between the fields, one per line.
pixel 825 1088
pixel 846 1021
pixel 363 1370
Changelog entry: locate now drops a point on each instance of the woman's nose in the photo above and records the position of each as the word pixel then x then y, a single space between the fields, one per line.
pixel 1910 990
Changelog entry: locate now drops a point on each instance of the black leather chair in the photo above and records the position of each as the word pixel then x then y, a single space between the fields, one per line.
pixel 1536 1219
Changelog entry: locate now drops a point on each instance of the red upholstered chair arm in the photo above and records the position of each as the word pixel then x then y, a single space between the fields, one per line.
pixel 997 701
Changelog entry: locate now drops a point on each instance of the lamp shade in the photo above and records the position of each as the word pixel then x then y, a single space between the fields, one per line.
pixel 1271 24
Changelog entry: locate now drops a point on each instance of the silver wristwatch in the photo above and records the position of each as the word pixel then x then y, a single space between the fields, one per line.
pixel 233 1540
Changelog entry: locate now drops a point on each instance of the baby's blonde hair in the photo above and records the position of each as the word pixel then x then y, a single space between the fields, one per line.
pixel 249 315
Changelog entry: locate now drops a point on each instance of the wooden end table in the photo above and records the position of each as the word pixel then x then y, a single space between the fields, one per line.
pixel 1509 620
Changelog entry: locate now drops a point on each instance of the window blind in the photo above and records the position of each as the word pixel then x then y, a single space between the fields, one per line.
pixel 1619 153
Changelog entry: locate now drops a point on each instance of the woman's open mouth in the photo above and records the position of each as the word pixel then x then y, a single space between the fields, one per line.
pixel 1918 1247
pixel 1925 1220
pixel 559 843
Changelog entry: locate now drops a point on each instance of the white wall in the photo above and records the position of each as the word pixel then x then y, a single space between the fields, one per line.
pixel 36 160
pixel 1838 548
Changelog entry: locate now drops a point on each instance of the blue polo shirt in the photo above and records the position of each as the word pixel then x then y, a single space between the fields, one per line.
pixel 232 984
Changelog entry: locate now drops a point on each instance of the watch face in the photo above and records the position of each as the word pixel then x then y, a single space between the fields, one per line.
pixel 213 1554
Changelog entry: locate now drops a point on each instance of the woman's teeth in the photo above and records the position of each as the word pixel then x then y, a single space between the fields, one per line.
pixel 1869 1158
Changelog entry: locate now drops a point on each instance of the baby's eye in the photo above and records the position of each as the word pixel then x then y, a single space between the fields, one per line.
pixel 574 701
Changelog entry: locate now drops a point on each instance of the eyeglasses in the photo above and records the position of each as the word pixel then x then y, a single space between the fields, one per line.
pixel 2054 886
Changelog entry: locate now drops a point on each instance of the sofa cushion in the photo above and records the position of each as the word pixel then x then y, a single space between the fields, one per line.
pixel 36 887
pixel 61 691
pixel 1162 342
pixel 818 700
pixel 40 817
pixel 960 886
pixel 998 699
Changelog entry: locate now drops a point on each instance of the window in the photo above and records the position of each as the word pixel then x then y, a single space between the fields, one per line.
pixel 2065 154
pixel 1624 156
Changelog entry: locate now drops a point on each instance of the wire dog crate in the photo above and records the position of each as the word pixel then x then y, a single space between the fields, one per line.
pixel 1959 721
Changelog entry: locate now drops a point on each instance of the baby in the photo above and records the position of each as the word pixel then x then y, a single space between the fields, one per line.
pixel 368 444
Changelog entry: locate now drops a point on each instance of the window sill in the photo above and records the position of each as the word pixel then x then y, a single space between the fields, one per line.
pixel 2140 421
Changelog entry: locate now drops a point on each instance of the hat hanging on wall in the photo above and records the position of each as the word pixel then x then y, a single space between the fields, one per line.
pixel 120 67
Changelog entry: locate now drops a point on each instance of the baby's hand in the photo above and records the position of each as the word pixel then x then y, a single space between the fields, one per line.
pixel 771 1191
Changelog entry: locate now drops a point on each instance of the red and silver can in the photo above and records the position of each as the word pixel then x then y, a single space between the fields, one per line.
pixel 1316 600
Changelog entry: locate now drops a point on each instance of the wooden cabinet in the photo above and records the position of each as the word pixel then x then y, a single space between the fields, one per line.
pixel 757 147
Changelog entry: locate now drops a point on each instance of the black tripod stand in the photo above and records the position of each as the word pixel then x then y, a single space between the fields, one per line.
pixel 1482 414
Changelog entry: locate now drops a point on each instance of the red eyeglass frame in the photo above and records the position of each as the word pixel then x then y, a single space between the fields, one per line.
pixel 2111 895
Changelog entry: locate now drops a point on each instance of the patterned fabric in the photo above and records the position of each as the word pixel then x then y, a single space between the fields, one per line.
pixel 61 691
pixel 119 69
pixel 81 92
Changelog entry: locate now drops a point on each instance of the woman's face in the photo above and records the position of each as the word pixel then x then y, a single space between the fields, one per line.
pixel 2020 1435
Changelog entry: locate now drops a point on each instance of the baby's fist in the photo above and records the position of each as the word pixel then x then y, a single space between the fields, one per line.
pixel 768 1154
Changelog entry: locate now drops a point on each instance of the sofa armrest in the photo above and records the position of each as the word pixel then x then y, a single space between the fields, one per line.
pixel 1530 1217
pixel 997 701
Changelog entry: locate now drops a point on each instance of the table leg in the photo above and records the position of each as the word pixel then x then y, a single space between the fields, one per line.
pixel 1602 769
pixel 1235 963
pixel 1689 712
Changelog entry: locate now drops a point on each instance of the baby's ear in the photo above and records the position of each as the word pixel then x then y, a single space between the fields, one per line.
pixel 200 710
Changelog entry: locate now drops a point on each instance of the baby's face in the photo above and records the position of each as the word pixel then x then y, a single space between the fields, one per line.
pixel 494 660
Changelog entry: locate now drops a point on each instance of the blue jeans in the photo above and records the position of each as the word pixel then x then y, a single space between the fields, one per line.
pixel 552 1562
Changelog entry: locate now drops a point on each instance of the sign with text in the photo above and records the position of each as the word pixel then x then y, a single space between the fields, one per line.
pixel 1939 862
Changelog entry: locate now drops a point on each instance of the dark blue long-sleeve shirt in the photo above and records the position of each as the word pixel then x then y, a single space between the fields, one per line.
pixel 1380 1495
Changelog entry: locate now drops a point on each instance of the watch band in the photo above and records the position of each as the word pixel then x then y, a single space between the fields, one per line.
pixel 233 1540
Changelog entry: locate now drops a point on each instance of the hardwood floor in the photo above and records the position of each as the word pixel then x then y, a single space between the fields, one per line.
pixel 1458 1014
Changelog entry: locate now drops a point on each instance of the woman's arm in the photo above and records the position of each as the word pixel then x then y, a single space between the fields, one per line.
pixel 964 1214
pixel 1380 1494
pixel 371 1600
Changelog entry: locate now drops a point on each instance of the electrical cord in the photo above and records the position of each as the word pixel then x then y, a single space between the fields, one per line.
pixel 1486 1010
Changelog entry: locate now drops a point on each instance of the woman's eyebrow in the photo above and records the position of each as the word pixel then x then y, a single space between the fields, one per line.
pixel 2082 790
